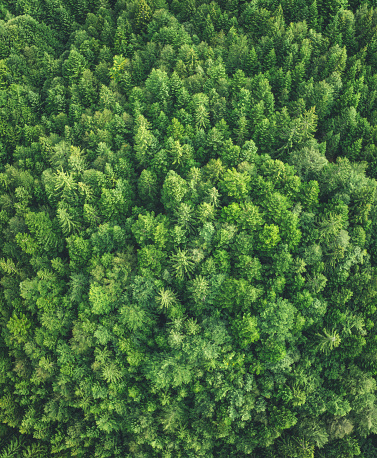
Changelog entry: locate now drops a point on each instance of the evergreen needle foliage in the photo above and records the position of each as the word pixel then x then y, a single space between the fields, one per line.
pixel 188 228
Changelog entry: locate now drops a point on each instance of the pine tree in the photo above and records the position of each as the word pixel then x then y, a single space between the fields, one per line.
pixel 328 340
pixel 166 298
pixel 182 264
pixel 143 15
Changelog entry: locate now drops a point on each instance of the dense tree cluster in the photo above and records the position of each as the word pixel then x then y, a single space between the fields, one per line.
pixel 188 228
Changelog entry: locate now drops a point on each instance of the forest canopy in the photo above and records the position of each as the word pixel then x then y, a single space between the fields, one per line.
pixel 188 228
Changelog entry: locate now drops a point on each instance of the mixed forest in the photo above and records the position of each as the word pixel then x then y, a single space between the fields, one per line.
pixel 188 228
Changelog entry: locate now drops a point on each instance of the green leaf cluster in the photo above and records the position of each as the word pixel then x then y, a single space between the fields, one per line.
pixel 188 220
